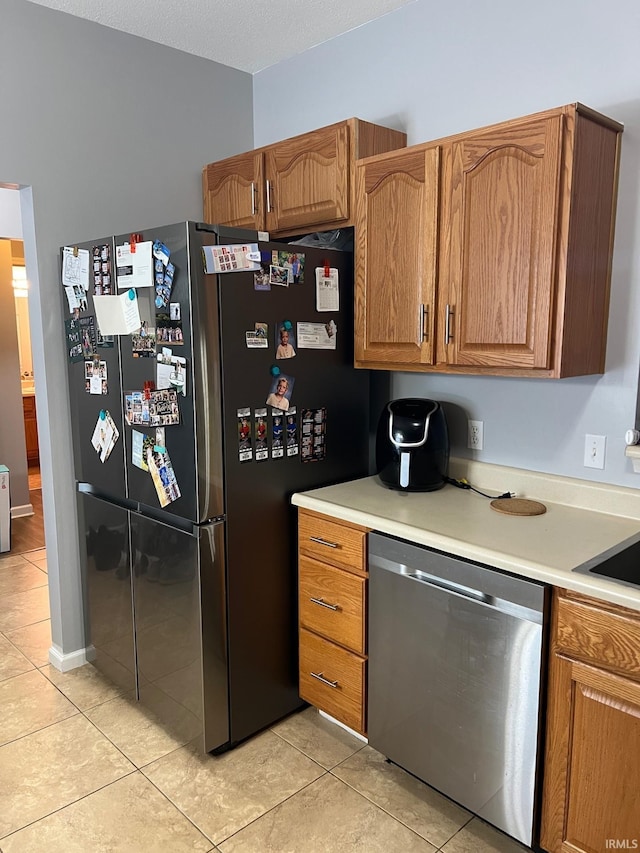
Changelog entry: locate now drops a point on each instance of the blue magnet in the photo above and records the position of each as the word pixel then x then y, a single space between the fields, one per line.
pixel 103 414
pixel 132 294
pixel 286 325
pixel 275 370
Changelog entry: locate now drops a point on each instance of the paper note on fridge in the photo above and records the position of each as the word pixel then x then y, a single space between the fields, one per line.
pixel 75 267
pixel 134 269
pixel 327 290
pixel 317 335
pixel 117 315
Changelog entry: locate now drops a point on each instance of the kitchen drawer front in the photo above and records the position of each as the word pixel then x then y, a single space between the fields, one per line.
pixel 339 543
pixel 332 603
pixel 343 697
pixel 599 635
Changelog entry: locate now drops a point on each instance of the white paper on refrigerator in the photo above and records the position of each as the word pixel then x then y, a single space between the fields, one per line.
pixel 327 290
pixel 117 315
pixel 134 269
pixel 75 267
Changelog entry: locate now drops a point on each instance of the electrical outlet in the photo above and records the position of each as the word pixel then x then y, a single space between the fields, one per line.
pixel 594 450
pixel 475 435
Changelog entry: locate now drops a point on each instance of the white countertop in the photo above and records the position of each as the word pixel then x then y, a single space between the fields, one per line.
pixel 544 547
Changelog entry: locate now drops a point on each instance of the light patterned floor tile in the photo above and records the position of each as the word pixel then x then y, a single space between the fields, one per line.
pixel 12 661
pixel 84 686
pixel 41 563
pixel 34 641
pixel 223 794
pixel 29 702
pixel 478 837
pixel 20 577
pixel 136 731
pixel 326 817
pixel 127 815
pixel 415 804
pixel 53 767
pixel 24 608
pixel 11 560
pixel 35 556
pixel 321 740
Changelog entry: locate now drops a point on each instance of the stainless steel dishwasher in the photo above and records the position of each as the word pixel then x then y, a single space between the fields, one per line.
pixel 455 661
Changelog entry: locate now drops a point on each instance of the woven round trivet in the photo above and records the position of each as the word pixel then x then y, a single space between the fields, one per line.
pixel 518 506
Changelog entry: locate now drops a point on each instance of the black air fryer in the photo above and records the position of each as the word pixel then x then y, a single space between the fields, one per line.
pixel 412 445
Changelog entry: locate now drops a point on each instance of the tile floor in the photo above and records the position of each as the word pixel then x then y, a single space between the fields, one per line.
pixel 84 770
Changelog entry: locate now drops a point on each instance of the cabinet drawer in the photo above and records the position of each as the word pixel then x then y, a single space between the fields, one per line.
pixel 343 696
pixel 603 636
pixel 334 542
pixel 332 603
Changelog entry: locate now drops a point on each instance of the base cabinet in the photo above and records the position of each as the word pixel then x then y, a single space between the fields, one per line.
pixel 31 429
pixel 592 763
pixel 332 590
pixel 490 251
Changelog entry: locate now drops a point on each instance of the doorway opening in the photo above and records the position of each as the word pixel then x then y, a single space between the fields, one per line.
pixel 17 385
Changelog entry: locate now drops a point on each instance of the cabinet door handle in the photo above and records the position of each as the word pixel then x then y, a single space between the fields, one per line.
pixel 424 323
pixel 253 199
pixel 324 680
pixel 323 542
pixel 323 603
pixel 448 336
pixel 269 208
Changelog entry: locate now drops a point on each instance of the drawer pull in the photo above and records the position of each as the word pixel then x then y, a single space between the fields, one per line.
pixel 324 680
pixel 323 603
pixel 323 542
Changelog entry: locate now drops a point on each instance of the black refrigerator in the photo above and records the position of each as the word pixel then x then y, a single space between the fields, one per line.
pixel 237 391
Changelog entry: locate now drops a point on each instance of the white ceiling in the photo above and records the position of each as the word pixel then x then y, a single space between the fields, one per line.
pixel 246 34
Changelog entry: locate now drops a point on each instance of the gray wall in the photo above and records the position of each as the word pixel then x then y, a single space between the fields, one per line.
pixel 437 69
pixel 13 452
pixel 110 133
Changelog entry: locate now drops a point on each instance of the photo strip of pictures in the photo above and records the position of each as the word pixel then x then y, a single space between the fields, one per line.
pixel 155 408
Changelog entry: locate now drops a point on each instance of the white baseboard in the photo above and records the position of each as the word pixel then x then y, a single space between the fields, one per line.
pixel 342 726
pixel 69 661
pixel 21 511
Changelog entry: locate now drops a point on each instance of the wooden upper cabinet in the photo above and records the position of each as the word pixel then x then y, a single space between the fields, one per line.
pixel 232 191
pixel 396 246
pixel 519 276
pixel 300 184
pixel 307 180
pixel 498 271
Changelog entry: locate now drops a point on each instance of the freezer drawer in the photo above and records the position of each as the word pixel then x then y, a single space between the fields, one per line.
pixel 104 552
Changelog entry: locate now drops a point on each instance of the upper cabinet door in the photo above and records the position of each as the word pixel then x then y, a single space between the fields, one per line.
pixel 396 251
pixel 233 191
pixel 499 246
pixel 307 179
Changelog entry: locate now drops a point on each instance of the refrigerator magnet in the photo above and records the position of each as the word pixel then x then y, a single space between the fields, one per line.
pixel 262 448
pixel 280 392
pixel 168 330
pixel 278 275
pixel 277 434
pixel 245 450
pixel 292 432
pixel 74 344
pixel 254 340
pixel 313 435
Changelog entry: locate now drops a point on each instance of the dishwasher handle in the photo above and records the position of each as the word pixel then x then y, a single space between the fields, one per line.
pixel 449 586
pixel 511 608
